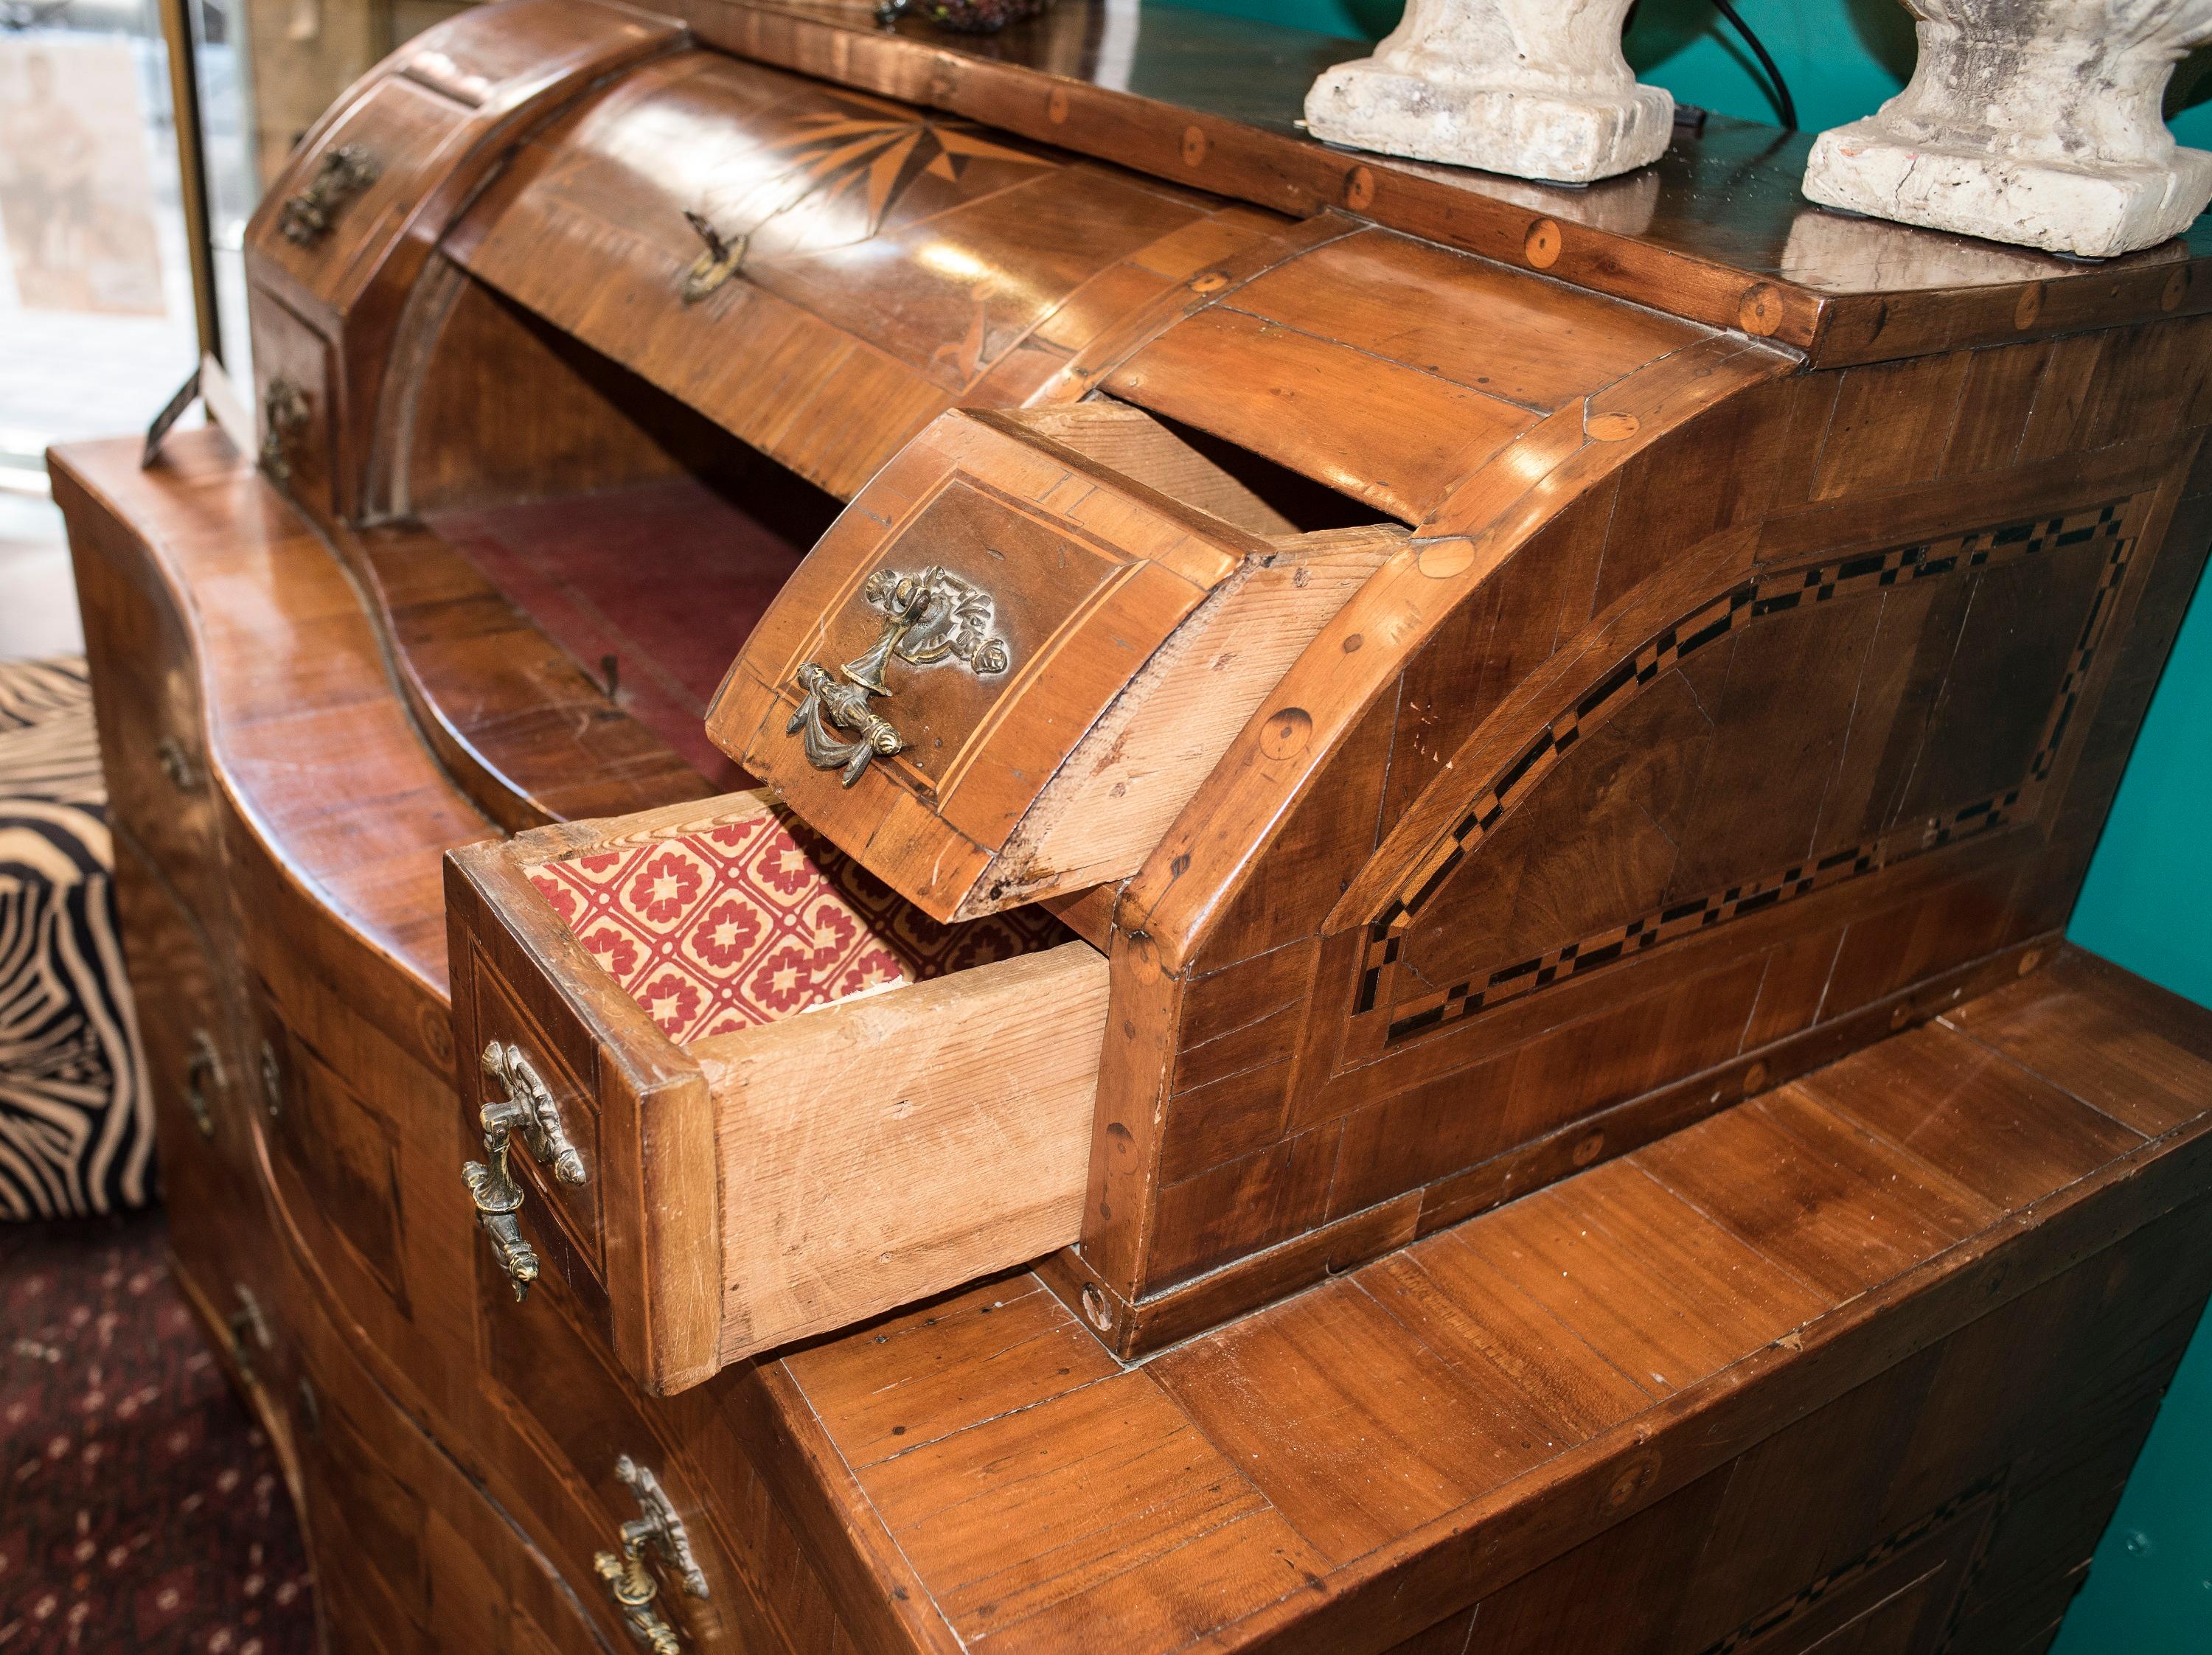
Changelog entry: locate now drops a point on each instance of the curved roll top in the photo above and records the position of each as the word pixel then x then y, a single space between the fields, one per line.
pixel 823 272
pixel 1142 442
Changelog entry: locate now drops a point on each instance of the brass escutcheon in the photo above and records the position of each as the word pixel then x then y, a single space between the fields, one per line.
pixel 629 1574
pixel 929 619
pixel 306 218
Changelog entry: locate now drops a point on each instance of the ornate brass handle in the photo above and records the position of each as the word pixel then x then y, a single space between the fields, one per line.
pixel 929 618
pixel 716 265
pixel 630 1579
pixel 829 705
pixel 203 1070
pixel 345 171
pixel 249 1329
pixel 497 1197
pixel 176 761
pixel 528 1108
pixel 283 417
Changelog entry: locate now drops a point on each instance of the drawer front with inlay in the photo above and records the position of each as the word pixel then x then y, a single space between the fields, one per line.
pixel 702 1046
pixel 1007 605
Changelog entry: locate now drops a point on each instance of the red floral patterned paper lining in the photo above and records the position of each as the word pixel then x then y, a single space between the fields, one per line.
pixel 750 917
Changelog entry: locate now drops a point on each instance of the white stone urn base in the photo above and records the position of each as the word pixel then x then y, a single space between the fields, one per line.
pixel 1367 104
pixel 2091 213
pixel 2035 122
pixel 1537 88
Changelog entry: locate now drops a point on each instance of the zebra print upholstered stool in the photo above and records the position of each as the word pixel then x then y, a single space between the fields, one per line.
pixel 75 1132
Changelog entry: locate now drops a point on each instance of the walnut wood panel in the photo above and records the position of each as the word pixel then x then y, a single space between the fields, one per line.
pixel 1717 231
pixel 303 433
pixel 200 1085
pixel 320 895
pixel 411 1552
pixel 286 1224
pixel 163 802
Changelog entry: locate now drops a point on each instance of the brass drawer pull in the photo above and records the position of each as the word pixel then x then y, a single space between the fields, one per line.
pixel 283 418
pixel 306 218
pixel 529 1108
pixel 497 1197
pixel 929 619
pixel 203 1073
pixel 630 1580
pixel 716 265
pixel 249 1331
pixel 177 764
pixel 829 705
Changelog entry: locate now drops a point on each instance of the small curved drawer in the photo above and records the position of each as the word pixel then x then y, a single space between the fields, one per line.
pixel 1012 660
pixel 734 1093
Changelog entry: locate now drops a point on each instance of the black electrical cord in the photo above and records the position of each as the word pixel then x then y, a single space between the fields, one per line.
pixel 1785 105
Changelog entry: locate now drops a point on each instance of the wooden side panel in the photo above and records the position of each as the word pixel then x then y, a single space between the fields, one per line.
pixel 1783 744
pixel 304 436
pixel 201 1091
pixel 1128 778
pixel 960 1149
pixel 299 888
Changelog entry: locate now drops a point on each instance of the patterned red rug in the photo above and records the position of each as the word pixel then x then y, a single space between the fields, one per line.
pixel 141 1508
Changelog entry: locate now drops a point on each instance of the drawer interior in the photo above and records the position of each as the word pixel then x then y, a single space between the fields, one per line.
pixel 721 924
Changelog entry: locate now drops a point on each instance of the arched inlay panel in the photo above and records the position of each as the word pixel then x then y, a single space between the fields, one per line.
pixel 1808 726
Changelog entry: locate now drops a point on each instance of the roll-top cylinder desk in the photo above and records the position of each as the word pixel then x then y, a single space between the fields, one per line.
pixel 949 852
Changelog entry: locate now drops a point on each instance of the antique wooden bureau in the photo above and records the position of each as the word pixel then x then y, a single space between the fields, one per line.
pixel 1185 892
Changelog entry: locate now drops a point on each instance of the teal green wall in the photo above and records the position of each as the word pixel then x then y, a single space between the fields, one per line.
pixel 2148 901
pixel 1841 57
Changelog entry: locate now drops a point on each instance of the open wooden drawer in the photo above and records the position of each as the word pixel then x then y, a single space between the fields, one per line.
pixel 737 1092
pixel 1013 659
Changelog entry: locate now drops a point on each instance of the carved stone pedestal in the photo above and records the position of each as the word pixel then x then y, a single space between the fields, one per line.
pixel 1535 88
pixel 2035 122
